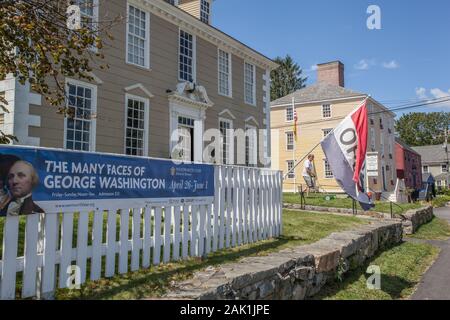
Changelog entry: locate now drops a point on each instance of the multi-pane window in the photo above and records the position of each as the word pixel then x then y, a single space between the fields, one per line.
pixel 372 139
pixel 328 171
pixel 89 13
pixel 204 11
pixel 137 37
pixel 426 169
pixel 185 139
pixel 225 126
pixel 289 113
pixel 250 146
pixel 136 126
pixel 326 111
pixel 224 73
pixel 81 104
pixel 290 141
pixel 290 169
pixel 326 132
pixel 250 85
pixel 186 63
pixel 444 168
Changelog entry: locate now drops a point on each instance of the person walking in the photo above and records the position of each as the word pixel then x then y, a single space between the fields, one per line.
pixel 308 174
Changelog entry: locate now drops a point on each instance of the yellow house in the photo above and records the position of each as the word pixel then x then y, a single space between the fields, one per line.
pixel 320 108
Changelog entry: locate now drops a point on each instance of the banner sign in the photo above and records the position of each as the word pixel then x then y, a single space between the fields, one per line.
pixel 35 180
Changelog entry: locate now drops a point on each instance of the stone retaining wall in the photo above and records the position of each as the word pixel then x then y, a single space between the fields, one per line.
pixel 413 219
pixel 292 274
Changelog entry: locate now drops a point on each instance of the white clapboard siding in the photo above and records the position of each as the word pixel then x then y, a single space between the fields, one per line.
pixel 247 208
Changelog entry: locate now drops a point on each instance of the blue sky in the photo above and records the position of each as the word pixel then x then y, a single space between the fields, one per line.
pixel 407 60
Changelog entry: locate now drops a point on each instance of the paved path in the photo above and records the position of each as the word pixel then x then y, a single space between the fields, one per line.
pixel 435 285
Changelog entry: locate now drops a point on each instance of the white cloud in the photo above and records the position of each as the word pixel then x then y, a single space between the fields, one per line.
pixel 314 67
pixel 436 93
pixel 362 65
pixel 391 65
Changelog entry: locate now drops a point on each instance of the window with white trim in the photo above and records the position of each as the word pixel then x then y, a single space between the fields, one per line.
pixel 327 170
pixel 444 168
pixel 289 141
pixel 250 146
pixel 138 37
pixel 225 76
pixel 79 126
pixel 225 127
pixel 425 169
pixel 372 139
pixel 186 57
pixel 326 132
pixel 250 83
pixel 136 126
pixel 326 111
pixel 205 10
pixel 89 13
pixel 290 167
pixel 289 113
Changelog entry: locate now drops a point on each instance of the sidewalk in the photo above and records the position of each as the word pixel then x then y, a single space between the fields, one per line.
pixel 435 285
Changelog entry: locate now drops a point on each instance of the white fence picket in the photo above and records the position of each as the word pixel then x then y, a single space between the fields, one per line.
pixel 185 242
pixel 147 244
pixel 97 239
pixel 124 232
pixel 201 231
pixel 167 233
pixel 251 204
pixel 31 258
pixel 176 233
pixel 10 245
pixel 194 230
pixel 111 240
pixel 82 243
pixel 49 265
pixel 240 206
pixel 215 221
pixel 136 240
pixel 157 236
pixel 221 209
pixel 66 248
pixel 229 207
pixel 245 205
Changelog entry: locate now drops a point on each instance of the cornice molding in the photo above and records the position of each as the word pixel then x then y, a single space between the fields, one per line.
pixel 193 25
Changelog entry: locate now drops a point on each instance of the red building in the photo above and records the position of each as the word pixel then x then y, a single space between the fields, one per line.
pixel 409 165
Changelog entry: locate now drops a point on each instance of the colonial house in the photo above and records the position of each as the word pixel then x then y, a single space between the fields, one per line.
pixel 172 77
pixel 436 161
pixel 320 108
pixel 409 165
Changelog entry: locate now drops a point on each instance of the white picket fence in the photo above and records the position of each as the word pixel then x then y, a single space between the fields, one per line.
pixel 247 208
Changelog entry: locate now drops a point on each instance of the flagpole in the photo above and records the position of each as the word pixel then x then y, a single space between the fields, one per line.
pixel 295 144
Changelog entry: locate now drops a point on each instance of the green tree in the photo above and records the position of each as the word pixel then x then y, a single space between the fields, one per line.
pixel 38 46
pixel 422 129
pixel 287 78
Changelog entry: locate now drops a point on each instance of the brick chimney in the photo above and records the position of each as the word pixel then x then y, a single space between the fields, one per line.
pixel 331 72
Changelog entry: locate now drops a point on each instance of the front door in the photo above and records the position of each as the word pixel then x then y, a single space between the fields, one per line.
pixel 186 138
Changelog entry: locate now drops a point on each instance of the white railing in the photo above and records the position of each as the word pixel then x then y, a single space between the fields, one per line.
pixel 247 208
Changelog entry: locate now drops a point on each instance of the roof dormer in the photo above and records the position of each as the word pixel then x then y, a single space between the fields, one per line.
pixel 201 9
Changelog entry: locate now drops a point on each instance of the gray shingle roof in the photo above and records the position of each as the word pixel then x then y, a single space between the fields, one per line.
pixel 318 92
pixel 432 154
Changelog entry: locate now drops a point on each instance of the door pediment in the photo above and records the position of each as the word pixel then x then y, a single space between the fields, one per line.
pixel 191 94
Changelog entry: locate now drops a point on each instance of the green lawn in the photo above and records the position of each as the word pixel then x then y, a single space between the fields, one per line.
pixel 299 228
pixel 345 202
pixel 441 201
pixel 401 270
pixel 437 229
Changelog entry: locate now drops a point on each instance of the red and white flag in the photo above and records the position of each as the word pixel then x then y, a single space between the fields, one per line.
pixel 345 149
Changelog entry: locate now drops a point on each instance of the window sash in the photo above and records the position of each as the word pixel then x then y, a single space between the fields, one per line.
pixel 326 111
pixel 290 166
pixel 137 37
pixel 78 129
pixel 204 11
pixel 250 146
pixel 290 141
pixel 225 126
pixel 136 127
pixel 249 83
pixel 327 170
pixel 289 114
pixel 224 73
pixel 186 57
